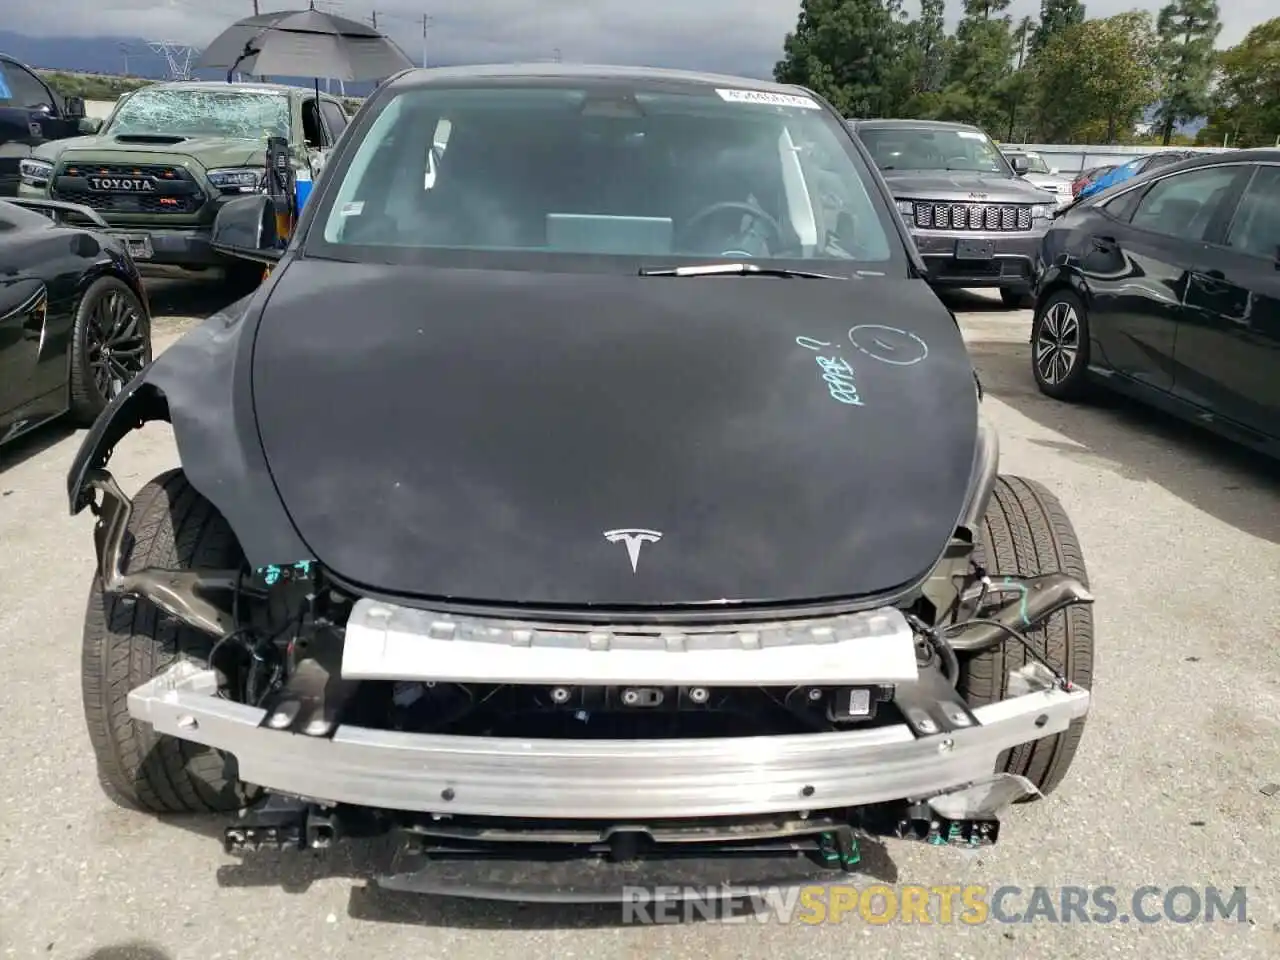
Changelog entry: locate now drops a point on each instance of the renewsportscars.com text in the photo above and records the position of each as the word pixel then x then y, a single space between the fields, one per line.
pixel 880 904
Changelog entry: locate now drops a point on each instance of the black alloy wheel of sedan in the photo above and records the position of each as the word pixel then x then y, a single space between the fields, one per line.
pixel 1060 345
pixel 112 346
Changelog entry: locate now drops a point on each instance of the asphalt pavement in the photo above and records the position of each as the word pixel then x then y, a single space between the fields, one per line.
pixel 1182 538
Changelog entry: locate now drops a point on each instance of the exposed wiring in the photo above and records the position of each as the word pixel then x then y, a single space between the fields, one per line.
pixel 236 636
pixel 271 644
pixel 984 579
pixel 1022 638
pixel 1023 594
pixel 942 646
pixel 257 650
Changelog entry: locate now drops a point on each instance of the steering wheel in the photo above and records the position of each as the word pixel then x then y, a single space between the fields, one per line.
pixel 727 206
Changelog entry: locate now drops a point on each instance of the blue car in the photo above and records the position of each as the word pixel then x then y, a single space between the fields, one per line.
pixel 1133 168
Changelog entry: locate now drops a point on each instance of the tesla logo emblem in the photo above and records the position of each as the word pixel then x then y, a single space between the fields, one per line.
pixel 633 538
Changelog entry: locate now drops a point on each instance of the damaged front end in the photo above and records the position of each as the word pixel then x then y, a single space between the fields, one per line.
pixel 505 752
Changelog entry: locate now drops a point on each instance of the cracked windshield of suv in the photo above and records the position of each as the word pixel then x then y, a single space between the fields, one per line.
pixel 242 115
pixel 953 150
pixel 619 170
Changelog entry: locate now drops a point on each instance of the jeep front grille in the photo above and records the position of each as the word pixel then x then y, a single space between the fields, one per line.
pixel 931 215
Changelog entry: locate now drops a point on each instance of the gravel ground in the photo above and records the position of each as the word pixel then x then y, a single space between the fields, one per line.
pixel 1182 537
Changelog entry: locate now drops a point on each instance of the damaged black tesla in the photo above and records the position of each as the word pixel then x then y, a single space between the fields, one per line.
pixel 594 478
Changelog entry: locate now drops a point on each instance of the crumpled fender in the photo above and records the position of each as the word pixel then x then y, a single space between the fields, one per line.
pixel 201 386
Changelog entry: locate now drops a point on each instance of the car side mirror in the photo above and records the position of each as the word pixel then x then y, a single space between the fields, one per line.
pixel 89 125
pixel 246 228
pixel 1020 166
pixel 74 108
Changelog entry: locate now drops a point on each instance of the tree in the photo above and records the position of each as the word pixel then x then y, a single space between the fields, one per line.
pixel 849 52
pixel 1187 30
pixel 1021 83
pixel 983 9
pixel 1095 78
pixel 981 65
pixel 1247 102
pixel 1055 17
pixel 930 35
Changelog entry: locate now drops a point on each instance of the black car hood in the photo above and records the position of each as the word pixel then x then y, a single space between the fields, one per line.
pixel 473 435
pixel 960 187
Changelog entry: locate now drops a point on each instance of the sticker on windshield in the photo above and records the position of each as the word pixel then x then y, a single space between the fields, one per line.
pixel 971 135
pixel 768 99
pixel 352 209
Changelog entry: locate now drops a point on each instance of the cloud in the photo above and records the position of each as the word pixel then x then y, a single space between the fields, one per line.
pixel 735 36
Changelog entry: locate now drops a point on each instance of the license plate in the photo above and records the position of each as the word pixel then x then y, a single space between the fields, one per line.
pixel 975 249
pixel 138 245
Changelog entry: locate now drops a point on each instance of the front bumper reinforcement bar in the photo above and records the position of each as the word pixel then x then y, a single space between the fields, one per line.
pixel 598 779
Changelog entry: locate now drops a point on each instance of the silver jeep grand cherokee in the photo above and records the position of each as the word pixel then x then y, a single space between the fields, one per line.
pixel 974 220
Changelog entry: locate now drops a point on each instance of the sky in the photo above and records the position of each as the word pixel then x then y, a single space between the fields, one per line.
pixel 733 36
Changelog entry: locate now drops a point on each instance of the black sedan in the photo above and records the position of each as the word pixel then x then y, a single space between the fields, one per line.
pixel 74 321
pixel 1168 288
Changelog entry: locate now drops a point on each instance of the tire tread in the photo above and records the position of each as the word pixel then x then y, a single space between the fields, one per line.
pixel 1026 532
pixel 129 641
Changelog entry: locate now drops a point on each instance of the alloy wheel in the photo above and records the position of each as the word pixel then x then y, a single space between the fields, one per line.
pixel 1058 343
pixel 117 343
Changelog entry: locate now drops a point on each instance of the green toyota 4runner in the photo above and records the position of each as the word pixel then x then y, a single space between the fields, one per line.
pixel 172 153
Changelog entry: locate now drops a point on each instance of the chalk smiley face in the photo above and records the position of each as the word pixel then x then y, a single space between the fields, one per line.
pixel 888 344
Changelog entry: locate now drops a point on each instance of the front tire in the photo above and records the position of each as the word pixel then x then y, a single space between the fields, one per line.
pixel 110 344
pixel 1026 533
pixel 1060 346
pixel 130 641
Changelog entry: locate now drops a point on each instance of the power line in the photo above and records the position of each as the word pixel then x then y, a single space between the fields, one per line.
pixel 426 22
pixel 177 57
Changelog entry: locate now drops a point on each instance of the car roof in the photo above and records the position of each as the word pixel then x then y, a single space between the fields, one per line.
pixel 424 77
pixel 912 125
pixel 1196 160
pixel 1253 155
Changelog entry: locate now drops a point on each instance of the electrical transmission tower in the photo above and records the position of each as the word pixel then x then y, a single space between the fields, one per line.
pixel 177 57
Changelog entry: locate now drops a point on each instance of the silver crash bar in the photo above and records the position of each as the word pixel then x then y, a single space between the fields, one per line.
pixel 598 779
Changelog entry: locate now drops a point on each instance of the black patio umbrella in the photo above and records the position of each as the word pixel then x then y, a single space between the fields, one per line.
pixel 305 43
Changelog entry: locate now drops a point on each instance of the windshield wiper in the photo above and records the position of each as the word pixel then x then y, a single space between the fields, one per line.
pixel 736 270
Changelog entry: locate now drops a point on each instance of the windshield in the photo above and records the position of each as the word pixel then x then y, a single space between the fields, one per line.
pixel 1035 163
pixel 238 114
pixel 614 171
pixel 897 148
